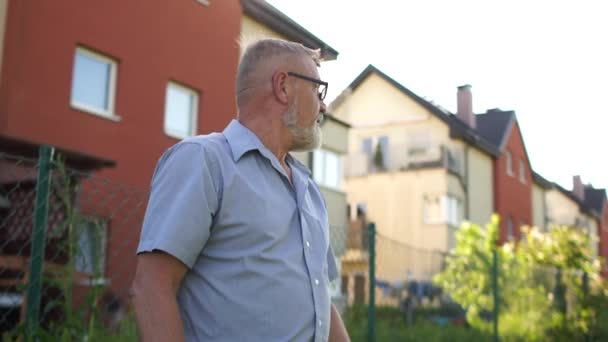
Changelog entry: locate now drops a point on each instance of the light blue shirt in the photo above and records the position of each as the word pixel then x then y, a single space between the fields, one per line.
pixel 256 245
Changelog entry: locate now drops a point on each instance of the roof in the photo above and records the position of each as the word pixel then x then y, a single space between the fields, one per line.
pixel 494 125
pixel 329 117
pixel 73 159
pixel 541 181
pixel 458 129
pixel 595 198
pixel 267 14
pixel 584 208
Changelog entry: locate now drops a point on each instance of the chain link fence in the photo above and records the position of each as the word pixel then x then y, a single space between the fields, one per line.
pixel 77 262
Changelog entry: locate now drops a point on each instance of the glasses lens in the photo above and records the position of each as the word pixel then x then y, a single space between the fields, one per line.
pixel 322 92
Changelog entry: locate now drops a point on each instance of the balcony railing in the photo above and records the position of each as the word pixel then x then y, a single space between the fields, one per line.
pixel 402 157
pixel 357 237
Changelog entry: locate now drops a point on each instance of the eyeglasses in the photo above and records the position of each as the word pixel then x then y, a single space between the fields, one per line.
pixel 322 85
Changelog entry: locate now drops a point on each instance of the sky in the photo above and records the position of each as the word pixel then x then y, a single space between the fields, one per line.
pixel 546 60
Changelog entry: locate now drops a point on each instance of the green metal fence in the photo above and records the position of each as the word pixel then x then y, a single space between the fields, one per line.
pixel 67 242
pixel 68 237
pixel 510 297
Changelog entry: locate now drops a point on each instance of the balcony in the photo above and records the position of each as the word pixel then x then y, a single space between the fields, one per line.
pixel 402 158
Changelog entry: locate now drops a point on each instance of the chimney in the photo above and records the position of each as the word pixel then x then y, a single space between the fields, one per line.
pixel 578 189
pixel 465 106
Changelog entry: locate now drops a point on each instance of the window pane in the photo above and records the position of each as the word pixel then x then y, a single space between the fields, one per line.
pixel 179 109
pixel 383 143
pixel 91 81
pixel 332 169
pixel 509 163
pixel 366 146
pixel 318 166
pixel 90 251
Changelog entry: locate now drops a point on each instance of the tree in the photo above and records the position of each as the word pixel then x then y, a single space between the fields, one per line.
pixel 530 272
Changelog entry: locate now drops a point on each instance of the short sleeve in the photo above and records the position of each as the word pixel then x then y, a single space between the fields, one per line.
pixel 183 200
pixel 332 269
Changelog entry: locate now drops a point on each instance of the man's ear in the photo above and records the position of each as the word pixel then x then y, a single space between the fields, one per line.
pixel 280 87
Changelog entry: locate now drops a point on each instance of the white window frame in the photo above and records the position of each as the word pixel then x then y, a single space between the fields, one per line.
pixel 522 171
pixel 322 154
pixel 193 114
pixel 103 244
pixel 509 163
pixel 451 210
pixel 108 113
pixel 448 209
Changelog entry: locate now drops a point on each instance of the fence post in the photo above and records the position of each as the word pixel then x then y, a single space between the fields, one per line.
pixel 43 184
pixel 495 290
pixel 371 311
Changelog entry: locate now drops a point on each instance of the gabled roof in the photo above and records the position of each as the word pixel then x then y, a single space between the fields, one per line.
pixel 541 181
pixel 494 125
pixel 267 14
pixel 329 117
pixel 595 198
pixel 458 129
pixel 581 205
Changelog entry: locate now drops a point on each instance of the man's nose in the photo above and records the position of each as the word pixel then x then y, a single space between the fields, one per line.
pixel 323 108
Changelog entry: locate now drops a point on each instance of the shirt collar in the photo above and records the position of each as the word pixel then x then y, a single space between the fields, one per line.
pixel 242 140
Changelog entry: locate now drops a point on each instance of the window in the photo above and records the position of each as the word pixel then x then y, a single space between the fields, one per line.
pixel 442 209
pixel 91 250
pixel 509 162
pixel 93 83
pixel 522 171
pixel 381 153
pixel 367 146
pixel 451 209
pixel 181 108
pixel 432 209
pixel 510 232
pixel 418 143
pixel 327 168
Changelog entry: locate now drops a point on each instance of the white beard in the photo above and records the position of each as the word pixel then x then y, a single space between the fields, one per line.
pixel 303 139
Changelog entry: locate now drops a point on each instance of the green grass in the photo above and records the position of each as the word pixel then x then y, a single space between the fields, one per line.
pixel 391 326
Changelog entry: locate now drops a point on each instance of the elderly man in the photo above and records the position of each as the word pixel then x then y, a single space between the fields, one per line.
pixel 235 241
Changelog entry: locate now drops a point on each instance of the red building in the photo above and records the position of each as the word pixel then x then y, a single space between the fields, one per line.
pixel 111 84
pixel 512 171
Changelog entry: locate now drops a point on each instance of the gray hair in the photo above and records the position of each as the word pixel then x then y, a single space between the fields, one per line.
pixel 261 54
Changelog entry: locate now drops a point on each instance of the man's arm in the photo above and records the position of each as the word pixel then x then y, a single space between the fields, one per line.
pixel 153 294
pixel 337 331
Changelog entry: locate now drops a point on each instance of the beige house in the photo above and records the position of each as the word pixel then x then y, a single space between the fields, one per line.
pixel 540 188
pixel 414 169
pixel 555 206
pixel 567 208
pixel 262 20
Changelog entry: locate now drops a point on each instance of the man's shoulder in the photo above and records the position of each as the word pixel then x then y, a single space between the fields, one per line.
pixel 211 145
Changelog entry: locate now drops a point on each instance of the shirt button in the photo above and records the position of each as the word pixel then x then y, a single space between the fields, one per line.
pixel 307 244
pixel 320 323
pixel 316 281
